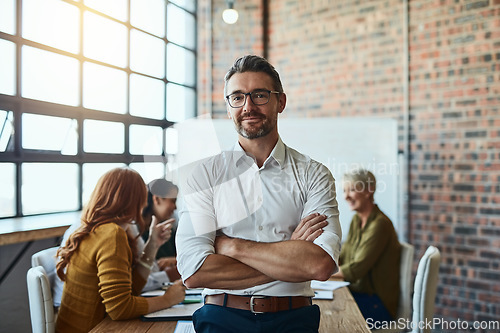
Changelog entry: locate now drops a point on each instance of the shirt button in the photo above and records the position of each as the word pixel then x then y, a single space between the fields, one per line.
pixel 260 227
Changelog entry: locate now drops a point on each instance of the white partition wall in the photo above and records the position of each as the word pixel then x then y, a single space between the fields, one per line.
pixel 339 143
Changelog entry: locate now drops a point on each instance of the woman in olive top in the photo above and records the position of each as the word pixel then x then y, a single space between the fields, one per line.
pixel 370 257
pixel 104 273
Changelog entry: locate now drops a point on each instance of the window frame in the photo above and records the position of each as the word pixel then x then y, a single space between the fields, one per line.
pixel 20 105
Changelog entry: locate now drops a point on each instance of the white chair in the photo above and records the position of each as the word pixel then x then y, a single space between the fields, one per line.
pixel 45 258
pixel 425 289
pixel 40 300
pixel 405 280
pixel 405 285
pixel 40 289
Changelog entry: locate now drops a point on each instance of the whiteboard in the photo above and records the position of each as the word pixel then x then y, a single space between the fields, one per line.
pixel 341 144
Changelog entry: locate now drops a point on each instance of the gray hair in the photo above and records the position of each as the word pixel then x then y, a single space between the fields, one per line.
pixel 362 179
pixel 253 63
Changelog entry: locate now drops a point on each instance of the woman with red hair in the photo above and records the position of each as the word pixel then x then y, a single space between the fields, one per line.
pixel 102 271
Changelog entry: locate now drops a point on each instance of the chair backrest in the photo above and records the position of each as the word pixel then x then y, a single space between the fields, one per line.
pixel 405 280
pixel 47 259
pixel 425 289
pixel 40 300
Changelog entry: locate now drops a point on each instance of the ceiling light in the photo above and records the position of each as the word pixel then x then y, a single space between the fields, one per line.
pixel 230 15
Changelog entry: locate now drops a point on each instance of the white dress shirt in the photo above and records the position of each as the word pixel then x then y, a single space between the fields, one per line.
pixel 229 193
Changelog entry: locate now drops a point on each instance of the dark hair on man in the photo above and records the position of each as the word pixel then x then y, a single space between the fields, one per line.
pixel 253 63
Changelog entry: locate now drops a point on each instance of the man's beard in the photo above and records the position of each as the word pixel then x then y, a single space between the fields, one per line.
pixel 251 131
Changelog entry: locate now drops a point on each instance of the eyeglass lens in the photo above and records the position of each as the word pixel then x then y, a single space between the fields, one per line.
pixel 258 98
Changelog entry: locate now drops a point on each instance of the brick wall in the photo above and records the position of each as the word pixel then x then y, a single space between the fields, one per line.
pixel 345 58
pixel 455 161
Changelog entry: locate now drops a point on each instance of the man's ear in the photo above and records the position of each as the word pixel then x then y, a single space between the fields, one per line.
pixel 282 102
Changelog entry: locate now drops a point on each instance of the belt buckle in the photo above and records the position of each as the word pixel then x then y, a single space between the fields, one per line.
pixel 252 304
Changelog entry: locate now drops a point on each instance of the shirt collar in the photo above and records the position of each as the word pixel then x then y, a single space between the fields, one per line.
pixel 278 154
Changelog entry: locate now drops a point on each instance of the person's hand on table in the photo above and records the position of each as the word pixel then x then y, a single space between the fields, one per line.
pixel 169 266
pixel 175 293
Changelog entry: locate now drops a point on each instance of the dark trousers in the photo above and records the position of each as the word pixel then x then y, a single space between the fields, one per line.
pixel 217 319
pixel 371 306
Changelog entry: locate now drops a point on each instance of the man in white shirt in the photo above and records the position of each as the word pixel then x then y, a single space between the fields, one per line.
pixel 258 222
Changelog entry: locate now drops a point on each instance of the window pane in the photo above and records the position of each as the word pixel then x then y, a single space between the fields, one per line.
pixel 149 171
pixel 180 103
pixel 6 131
pixel 104 40
pixel 146 140
pixel 49 187
pixel 180 27
pixel 104 88
pixel 50 133
pixel 171 140
pixel 103 137
pixel 147 97
pixel 91 172
pixel 52 22
pixel 148 15
pixel 180 65
pixel 188 4
pixel 8 189
pixel 114 8
pixel 49 77
pixel 7 67
pixel 147 54
pixel 8 16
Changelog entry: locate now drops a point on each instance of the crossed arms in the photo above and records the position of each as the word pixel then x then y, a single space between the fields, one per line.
pixel 240 264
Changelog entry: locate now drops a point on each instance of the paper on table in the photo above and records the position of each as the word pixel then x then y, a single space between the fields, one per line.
pixel 160 292
pixel 176 312
pixel 323 294
pixel 184 326
pixel 152 293
pixel 328 285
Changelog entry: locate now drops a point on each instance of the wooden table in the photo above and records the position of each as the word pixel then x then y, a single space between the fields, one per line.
pixel 340 315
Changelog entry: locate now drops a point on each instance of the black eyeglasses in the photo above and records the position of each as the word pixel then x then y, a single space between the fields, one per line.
pixel 258 97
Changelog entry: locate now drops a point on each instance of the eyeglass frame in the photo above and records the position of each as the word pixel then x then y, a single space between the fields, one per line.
pixel 250 94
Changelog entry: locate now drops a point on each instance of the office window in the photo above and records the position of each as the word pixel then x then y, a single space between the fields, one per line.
pixel 147 97
pixel 48 76
pixel 91 172
pixel 86 86
pixel 104 88
pixel 147 140
pixel 49 187
pixel 7 67
pixel 53 23
pixel 6 131
pixel 8 189
pixel 50 133
pixel 8 16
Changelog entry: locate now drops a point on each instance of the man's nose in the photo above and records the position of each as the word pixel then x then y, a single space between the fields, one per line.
pixel 249 105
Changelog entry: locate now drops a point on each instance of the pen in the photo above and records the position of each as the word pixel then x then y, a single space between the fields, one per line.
pixel 166 285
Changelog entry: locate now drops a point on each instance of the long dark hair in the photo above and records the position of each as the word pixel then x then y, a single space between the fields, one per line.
pixel 119 196
pixel 161 188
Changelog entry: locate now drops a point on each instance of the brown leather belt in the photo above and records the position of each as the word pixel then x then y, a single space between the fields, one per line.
pixel 259 304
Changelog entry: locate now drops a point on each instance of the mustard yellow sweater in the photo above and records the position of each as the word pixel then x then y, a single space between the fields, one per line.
pixel 99 281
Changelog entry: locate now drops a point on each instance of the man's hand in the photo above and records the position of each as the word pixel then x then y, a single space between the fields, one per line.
pixel 310 227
